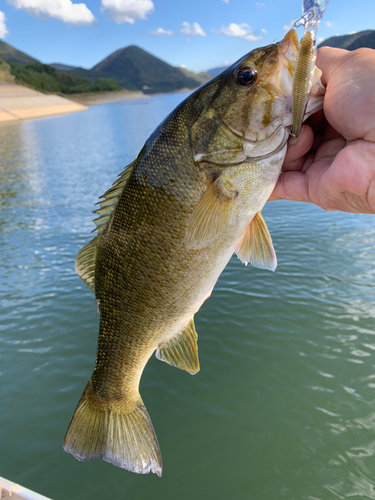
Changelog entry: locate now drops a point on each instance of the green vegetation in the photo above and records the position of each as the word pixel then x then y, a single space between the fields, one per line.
pixel 352 42
pixel 45 78
pixel 5 74
pixel 105 84
pixel 135 69
pixel 199 77
pixel 12 55
pixel 130 68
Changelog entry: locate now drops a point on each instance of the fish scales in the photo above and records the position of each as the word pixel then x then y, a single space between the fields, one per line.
pixel 174 218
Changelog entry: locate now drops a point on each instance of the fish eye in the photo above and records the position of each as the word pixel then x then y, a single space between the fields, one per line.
pixel 246 76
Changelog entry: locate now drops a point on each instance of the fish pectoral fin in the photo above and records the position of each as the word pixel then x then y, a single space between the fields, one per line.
pixel 182 350
pixel 210 217
pixel 255 246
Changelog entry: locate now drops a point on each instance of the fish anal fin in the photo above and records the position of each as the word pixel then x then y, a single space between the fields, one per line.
pixel 255 246
pixel 182 350
pixel 211 215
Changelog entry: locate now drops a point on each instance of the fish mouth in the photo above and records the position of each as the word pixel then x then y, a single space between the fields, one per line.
pixel 280 135
pixel 290 45
pixel 282 77
pixel 275 142
pixel 289 48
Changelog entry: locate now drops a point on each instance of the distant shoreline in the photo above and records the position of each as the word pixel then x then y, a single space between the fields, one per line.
pixel 95 98
pixel 20 103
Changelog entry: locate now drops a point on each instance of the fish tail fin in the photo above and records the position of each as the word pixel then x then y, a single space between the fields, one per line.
pixel 125 439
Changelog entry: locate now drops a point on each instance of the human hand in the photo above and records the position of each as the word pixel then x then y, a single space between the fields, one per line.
pixel 332 162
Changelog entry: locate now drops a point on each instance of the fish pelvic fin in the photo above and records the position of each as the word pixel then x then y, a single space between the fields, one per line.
pixel 86 258
pixel 182 350
pixel 126 440
pixel 210 217
pixel 255 246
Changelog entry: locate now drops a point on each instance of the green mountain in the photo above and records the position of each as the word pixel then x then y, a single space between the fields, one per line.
pixel 25 70
pixel 131 68
pixel 87 74
pixel 10 54
pixel 199 77
pixel 135 69
pixel 351 42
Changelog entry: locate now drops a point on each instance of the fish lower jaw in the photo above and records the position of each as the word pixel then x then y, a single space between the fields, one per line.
pixel 315 104
pixel 288 121
pixel 267 146
pixel 255 137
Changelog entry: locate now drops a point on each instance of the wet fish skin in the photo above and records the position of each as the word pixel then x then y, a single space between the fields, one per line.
pixel 191 198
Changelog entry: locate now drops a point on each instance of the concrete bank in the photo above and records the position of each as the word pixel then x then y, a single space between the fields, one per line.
pixel 21 103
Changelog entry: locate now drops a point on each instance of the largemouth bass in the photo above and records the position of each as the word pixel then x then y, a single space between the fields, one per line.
pixel 166 230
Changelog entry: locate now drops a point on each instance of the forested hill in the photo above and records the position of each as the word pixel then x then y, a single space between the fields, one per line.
pixel 130 68
pixel 352 41
pixel 10 54
pixel 134 68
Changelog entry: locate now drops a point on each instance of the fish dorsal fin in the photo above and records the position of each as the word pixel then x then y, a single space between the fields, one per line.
pixel 108 201
pixel 210 217
pixel 86 258
pixel 182 350
pixel 85 263
pixel 255 246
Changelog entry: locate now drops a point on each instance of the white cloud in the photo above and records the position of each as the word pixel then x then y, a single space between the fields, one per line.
pixel 226 1
pixel 352 32
pixel 127 11
pixel 320 39
pixel 264 31
pixel 192 29
pixel 333 26
pixel 260 5
pixel 160 32
pixel 240 30
pixel 3 28
pixel 64 10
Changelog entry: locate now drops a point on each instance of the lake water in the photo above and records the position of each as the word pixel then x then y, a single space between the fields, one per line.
pixel 284 404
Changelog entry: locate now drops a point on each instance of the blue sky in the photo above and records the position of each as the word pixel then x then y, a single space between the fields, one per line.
pixel 199 34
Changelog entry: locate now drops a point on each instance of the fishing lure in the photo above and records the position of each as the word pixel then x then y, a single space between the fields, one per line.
pixel 312 13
